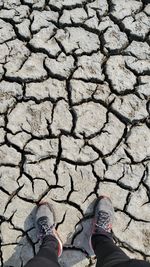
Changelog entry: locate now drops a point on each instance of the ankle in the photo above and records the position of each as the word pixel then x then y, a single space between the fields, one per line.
pixel 100 238
pixel 49 238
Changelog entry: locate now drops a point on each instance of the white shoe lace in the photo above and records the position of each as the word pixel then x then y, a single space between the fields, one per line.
pixel 44 228
pixel 103 221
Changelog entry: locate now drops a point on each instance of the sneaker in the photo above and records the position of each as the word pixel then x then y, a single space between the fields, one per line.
pixel 45 224
pixel 103 216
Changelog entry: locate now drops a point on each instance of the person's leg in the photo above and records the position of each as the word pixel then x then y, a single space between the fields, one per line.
pixel 47 255
pixel 51 245
pixel 134 263
pixel 107 252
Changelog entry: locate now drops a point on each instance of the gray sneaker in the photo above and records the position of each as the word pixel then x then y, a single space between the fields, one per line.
pixel 45 224
pixel 103 216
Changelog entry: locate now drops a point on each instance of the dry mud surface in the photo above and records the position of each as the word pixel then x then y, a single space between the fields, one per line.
pixel 74 122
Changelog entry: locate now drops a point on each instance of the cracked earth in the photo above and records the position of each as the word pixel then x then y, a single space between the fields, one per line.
pixel 74 122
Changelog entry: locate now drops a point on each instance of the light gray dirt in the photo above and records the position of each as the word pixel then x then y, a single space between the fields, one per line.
pixel 74 122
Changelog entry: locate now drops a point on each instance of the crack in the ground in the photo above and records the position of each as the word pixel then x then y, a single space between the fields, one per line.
pixel 73 148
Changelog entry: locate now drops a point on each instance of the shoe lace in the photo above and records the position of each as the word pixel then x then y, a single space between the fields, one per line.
pixel 103 221
pixel 44 228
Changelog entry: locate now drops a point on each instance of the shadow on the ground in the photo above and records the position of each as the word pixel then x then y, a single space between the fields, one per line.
pixel 79 253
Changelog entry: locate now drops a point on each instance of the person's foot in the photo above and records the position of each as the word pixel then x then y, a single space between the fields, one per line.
pixel 45 224
pixel 103 216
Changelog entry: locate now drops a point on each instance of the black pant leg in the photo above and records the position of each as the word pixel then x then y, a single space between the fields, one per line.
pixel 107 253
pixel 134 263
pixel 47 255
